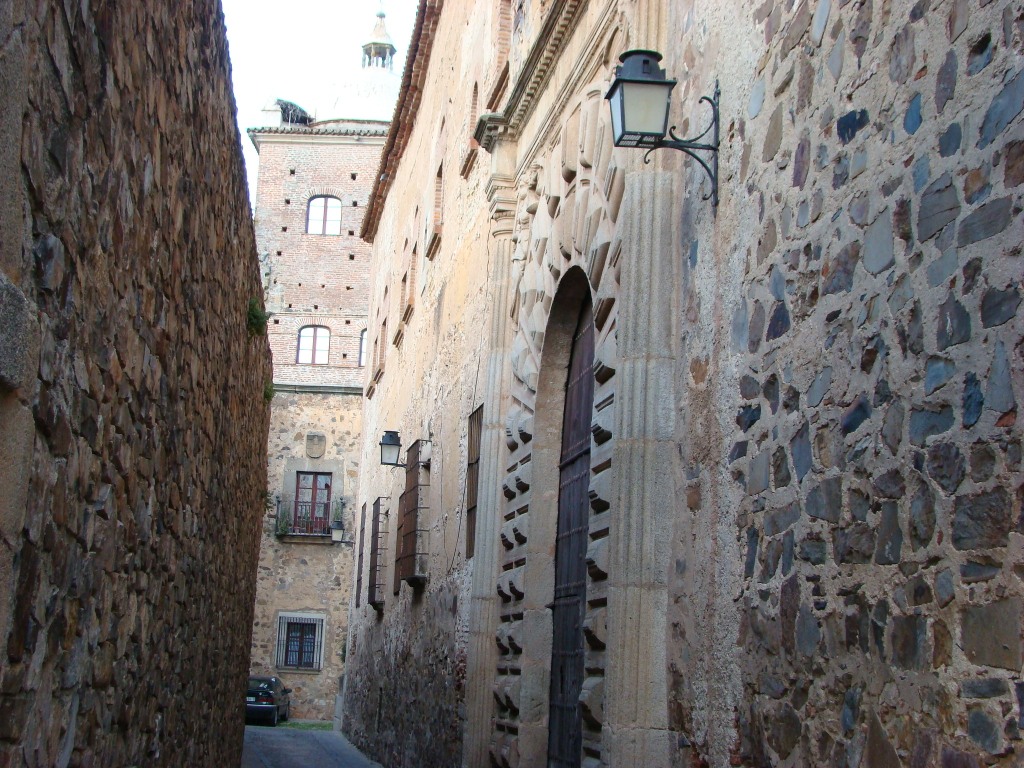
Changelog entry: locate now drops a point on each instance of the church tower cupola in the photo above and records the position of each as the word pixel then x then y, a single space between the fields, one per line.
pixel 380 50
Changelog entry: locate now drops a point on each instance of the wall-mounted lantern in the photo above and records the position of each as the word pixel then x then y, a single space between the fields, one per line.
pixel 390 447
pixel 640 98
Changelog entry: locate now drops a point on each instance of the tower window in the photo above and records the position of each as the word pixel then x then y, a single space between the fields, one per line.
pixel 324 216
pixel 314 345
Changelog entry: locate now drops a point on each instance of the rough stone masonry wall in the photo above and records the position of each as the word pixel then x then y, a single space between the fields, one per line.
pixel 874 370
pixel 132 416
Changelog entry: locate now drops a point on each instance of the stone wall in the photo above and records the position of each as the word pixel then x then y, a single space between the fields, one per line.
pixel 856 334
pixel 805 489
pixel 132 413
pixel 308 574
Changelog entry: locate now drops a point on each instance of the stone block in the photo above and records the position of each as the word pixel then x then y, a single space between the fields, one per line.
pixel 991 633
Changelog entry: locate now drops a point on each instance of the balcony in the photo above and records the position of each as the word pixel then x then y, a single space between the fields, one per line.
pixel 309 520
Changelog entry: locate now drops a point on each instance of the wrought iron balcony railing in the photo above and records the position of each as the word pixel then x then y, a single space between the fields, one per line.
pixel 308 518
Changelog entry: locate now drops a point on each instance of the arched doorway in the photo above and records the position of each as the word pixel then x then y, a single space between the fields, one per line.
pixel 565 727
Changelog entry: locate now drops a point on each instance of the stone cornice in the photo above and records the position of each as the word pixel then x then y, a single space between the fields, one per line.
pixel 317 389
pixel 260 136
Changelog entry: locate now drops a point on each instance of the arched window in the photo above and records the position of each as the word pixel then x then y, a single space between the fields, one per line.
pixel 314 345
pixel 362 348
pixel 324 216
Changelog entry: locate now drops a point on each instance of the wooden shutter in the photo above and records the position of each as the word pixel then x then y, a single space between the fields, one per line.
pixel 378 550
pixel 359 562
pixel 411 543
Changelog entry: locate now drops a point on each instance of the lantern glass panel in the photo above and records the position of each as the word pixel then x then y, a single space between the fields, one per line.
pixel 645 107
pixel 389 454
pixel 615 104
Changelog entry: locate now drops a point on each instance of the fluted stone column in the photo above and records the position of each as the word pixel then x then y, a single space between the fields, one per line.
pixel 645 464
pixel 483 611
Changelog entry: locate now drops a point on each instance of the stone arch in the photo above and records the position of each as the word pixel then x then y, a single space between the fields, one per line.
pixel 569 197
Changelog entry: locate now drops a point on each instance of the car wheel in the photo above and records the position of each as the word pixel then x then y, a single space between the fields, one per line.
pixel 287 711
pixel 273 717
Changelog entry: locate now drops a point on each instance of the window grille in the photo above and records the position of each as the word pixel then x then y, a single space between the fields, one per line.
pixel 359 561
pixel 411 543
pixel 476 421
pixel 300 642
pixel 378 552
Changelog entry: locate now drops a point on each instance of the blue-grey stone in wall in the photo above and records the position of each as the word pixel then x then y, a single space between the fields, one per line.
pixel 929 420
pixel 780 468
pixel 889 485
pixel 749 387
pixel 971 272
pixel 954 324
pixel 987 221
pixel 980 54
pixel 915 330
pixel 849 124
pixel 840 171
pixel 771 392
pixel 800 447
pixel 819 387
pixel 801 162
pixel 922 517
pixel 14 334
pixel 912 119
pixel 945 82
pixel 985 688
pixel 808 633
pixel 983 520
pixel 878 244
pixel 997 307
pixel 973 399
pixel 813 551
pixel 757 482
pixel 855 414
pixel 990 633
pixel 838 273
pixel 909 639
pixel 756 327
pixel 973 573
pixel 949 140
pixel 922 172
pixel 773 138
pixel 999 393
pixel 859 503
pixel 1007 104
pixel 780 520
pixel 890 536
pixel 748 567
pixel 853 544
pixel 944 588
pixel 901 55
pixel 850 715
pixel 858 163
pixel 825 501
pixel 788 552
pixel 820 20
pixel 892 427
pixel 860 206
pixel 756 98
pixel 748 416
pixel 738 451
pixel 777 284
pixel 938 370
pixel 983 730
pixel 835 57
pixel 901 221
pixel 939 206
pixel 940 270
pixel 779 322
pixel 902 292
pixel 946 466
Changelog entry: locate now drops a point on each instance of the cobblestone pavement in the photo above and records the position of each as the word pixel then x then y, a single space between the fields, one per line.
pixel 267 747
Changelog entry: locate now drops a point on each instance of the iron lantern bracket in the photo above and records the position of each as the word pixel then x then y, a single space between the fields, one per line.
pixel 692 146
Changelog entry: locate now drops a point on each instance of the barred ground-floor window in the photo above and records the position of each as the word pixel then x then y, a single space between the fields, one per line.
pixel 300 641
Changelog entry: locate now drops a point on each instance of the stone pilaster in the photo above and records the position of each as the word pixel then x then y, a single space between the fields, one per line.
pixel 636 728
pixel 483 612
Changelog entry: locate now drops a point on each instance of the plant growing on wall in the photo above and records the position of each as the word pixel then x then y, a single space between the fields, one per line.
pixel 268 391
pixel 256 318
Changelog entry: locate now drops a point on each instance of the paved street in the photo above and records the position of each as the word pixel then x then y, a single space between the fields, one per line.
pixel 292 748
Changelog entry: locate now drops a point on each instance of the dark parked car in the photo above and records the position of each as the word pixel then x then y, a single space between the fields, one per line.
pixel 267 699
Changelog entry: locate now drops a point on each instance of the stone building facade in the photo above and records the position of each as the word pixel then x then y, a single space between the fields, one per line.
pixel 133 370
pixel 801 498
pixel 314 181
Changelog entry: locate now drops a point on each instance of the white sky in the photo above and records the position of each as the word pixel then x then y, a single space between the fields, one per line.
pixel 295 49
